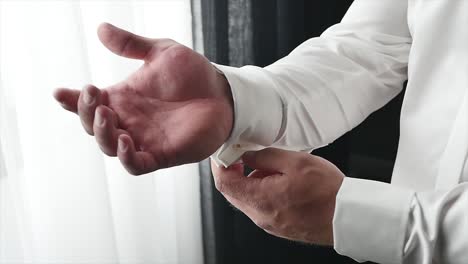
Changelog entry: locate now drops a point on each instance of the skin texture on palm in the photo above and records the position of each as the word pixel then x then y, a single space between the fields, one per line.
pixel 175 109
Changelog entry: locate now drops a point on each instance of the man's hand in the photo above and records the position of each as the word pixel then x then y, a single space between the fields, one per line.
pixel 289 194
pixel 175 109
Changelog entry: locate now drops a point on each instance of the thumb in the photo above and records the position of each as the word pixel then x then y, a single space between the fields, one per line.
pixel 124 43
pixel 270 159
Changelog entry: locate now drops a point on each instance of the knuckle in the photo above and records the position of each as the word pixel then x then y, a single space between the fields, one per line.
pixel 263 205
pixel 220 184
pixel 264 224
pixel 129 167
pixel 169 40
pixel 90 88
pixel 277 219
pixel 133 171
pixel 179 52
pixel 302 160
pixel 101 133
pixel 270 232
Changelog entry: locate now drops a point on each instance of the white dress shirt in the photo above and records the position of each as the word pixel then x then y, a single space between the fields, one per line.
pixel 331 83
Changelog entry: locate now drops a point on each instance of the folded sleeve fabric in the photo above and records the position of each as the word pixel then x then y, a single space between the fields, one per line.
pixel 391 225
pixel 325 87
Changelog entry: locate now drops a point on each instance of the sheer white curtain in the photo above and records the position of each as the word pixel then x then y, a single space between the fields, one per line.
pixel 61 200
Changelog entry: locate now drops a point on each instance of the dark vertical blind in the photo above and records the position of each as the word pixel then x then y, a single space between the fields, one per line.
pixel 215 34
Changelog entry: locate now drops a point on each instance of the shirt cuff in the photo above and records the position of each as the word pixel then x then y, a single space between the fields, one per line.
pixel 258 113
pixel 370 221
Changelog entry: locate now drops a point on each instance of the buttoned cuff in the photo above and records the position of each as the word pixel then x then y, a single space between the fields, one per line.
pixel 258 113
pixel 371 220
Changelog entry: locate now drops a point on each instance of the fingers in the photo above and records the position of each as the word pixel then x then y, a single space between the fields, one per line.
pixel 269 159
pixel 124 43
pixel 135 162
pixel 89 100
pixel 102 122
pixel 248 194
pixel 228 180
pixel 232 182
pixel 106 130
pixel 67 98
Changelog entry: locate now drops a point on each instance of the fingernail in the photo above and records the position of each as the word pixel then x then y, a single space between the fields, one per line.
pixel 88 98
pixel 100 121
pixel 123 147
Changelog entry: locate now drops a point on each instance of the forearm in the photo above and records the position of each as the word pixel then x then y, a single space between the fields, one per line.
pixel 332 83
pixel 325 87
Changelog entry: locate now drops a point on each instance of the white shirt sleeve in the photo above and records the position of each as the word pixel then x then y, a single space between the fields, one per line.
pixel 325 87
pixel 386 224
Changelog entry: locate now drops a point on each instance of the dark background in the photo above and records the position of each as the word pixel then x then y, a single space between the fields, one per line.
pixel 258 32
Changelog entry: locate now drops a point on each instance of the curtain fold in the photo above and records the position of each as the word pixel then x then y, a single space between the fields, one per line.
pixel 61 200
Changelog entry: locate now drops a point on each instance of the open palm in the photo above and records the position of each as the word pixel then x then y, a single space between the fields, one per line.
pixel 175 109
